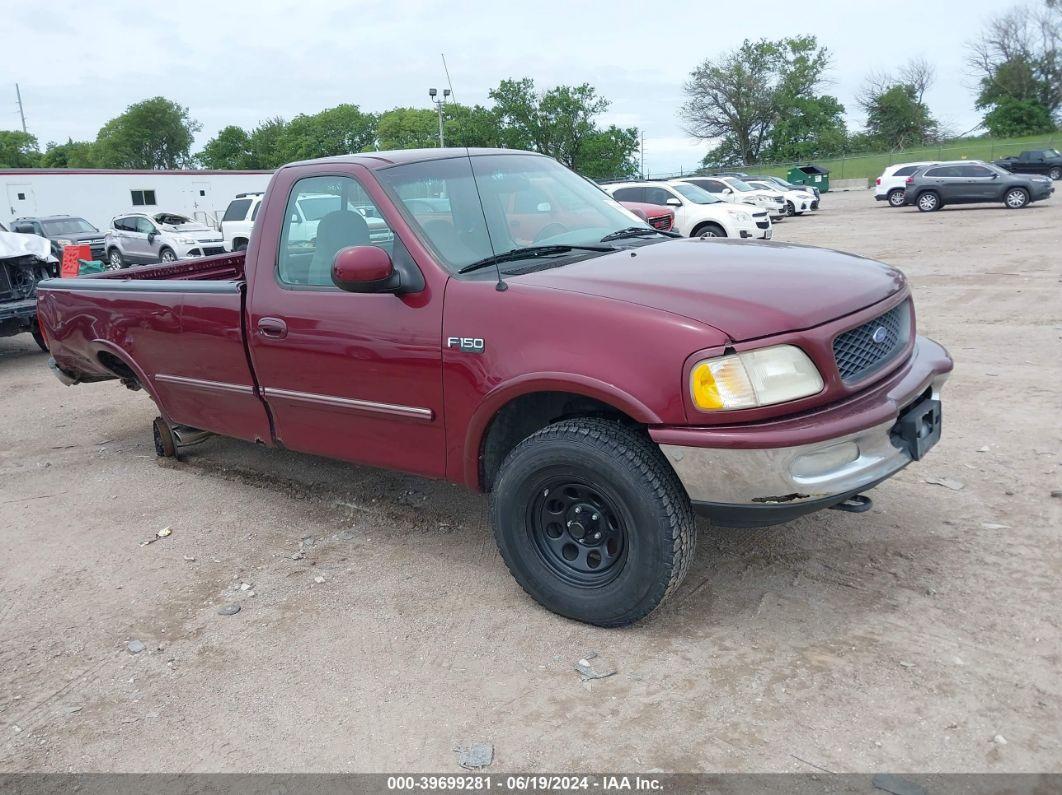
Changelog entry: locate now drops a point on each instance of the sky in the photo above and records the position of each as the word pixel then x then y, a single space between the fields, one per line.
pixel 238 62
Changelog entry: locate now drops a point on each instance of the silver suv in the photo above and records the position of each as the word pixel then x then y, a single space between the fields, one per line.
pixel 138 238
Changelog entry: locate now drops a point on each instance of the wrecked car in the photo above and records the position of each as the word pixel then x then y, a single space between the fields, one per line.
pixel 24 261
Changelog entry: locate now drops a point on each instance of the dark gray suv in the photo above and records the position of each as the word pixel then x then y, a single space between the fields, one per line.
pixel 971 182
pixel 62 230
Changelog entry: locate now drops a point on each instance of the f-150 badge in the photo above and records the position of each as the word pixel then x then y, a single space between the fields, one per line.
pixel 466 344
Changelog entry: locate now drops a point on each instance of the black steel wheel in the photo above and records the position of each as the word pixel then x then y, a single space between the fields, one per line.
pixel 577 531
pixel 592 521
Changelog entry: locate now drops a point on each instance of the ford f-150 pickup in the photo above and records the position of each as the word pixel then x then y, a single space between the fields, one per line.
pixel 521 333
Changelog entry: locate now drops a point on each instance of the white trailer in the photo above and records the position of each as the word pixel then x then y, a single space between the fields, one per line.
pixel 98 195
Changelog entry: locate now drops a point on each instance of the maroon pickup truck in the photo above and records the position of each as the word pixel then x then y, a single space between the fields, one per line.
pixel 517 331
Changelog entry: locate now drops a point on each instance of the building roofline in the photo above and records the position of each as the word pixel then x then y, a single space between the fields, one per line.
pixel 32 172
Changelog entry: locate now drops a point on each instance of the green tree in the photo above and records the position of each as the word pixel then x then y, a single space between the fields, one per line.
pixel 341 130
pixel 1018 56
pixel 265 144
pixel 18 149
pixel 740 97
pixel 474 125
pixel 408 128
pixel 72 154
pixel 559 123
pixel 1010 118
pixel 229 149
pixel 155 133
pixel 896 119
pixel 609 154
pixel 814 127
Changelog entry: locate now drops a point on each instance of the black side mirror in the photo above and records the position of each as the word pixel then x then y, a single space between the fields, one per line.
pixel 151 237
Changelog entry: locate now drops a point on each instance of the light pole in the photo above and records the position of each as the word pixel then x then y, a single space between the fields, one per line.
pixel 439 105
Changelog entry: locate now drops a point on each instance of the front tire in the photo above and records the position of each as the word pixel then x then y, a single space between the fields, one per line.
pixel 1016 198
pixel 929 202
pixel 1055 173
pixel 167 255
pixel 592 522
pixel 709 230
pixel 896 198
pixel 790 209
pixel 115 261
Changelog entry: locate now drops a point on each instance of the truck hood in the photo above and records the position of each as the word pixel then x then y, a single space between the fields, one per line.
pixel 16 244
pixel 742 288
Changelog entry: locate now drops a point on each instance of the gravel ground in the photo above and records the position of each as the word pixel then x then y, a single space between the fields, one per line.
pixel 380 629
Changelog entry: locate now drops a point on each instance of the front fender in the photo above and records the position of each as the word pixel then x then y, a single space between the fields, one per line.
pixel 531 383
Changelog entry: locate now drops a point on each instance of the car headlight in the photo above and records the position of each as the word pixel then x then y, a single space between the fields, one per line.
pixel 186 241
pixel 64 242
pixel 760 377
pixel 744 218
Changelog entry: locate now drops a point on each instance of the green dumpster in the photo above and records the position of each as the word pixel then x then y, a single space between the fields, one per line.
pixel 813 176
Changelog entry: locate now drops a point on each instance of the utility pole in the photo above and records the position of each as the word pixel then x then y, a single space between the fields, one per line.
pixel 641 155
pixel 21 113
pixel 439 105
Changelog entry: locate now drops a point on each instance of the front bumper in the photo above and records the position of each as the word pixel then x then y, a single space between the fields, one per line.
pixel 738 482
pixel 24 309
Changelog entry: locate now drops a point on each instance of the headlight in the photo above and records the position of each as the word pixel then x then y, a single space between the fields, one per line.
pixel 187 241
pixel 64 242
pixel 754 378
pixel 743 217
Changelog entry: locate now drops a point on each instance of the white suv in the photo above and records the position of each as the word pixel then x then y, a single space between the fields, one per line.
pixel 242 211
pixel 238 219
pixel 140 238
pixel 697 213
pixel 890 185
pixel 797 202
pixel 732 189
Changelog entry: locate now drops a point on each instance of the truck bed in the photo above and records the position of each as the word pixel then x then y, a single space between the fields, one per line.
pixel 123 324
pixel 222 267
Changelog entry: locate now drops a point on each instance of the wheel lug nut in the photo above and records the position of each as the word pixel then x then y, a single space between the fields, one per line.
pixel 594 517
pixel 578 510
pixel 597 535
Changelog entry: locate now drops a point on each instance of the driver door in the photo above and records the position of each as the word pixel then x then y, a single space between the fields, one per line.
pixel 353 376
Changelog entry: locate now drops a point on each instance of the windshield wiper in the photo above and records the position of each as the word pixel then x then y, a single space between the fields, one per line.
pixel 528 252
pixel 636 231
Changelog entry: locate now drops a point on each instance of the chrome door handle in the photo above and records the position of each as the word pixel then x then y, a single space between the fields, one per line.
pixel 272 327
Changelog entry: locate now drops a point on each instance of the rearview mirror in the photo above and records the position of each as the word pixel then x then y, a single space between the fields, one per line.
pixel 674 202
pixel 726 191
pixel 365 269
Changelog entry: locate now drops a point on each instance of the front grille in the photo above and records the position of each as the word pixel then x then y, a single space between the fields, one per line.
pixel 858 354
pixel 662 222
pixel 211 250
pixel 763 224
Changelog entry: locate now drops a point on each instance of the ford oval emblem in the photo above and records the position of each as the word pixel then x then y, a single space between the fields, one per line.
pixel 880 335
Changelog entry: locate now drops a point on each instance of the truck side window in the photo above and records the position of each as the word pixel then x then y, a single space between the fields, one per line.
pixel 324 215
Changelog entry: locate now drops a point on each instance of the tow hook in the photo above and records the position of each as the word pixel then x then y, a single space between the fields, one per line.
pixel 857 503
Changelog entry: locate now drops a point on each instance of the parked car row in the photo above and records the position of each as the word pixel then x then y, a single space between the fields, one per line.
pixel 721 205
pixel 932 185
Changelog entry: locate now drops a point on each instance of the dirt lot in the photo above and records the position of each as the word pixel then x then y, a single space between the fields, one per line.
pixel 923 635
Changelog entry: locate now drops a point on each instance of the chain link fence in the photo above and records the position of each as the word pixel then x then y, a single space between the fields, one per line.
pixel 869 165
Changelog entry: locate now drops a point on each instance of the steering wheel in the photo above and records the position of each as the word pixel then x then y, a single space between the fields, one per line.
pixel 550 230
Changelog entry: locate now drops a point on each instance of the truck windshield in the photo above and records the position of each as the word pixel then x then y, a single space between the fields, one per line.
pixel 67 226
pixel 469 209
